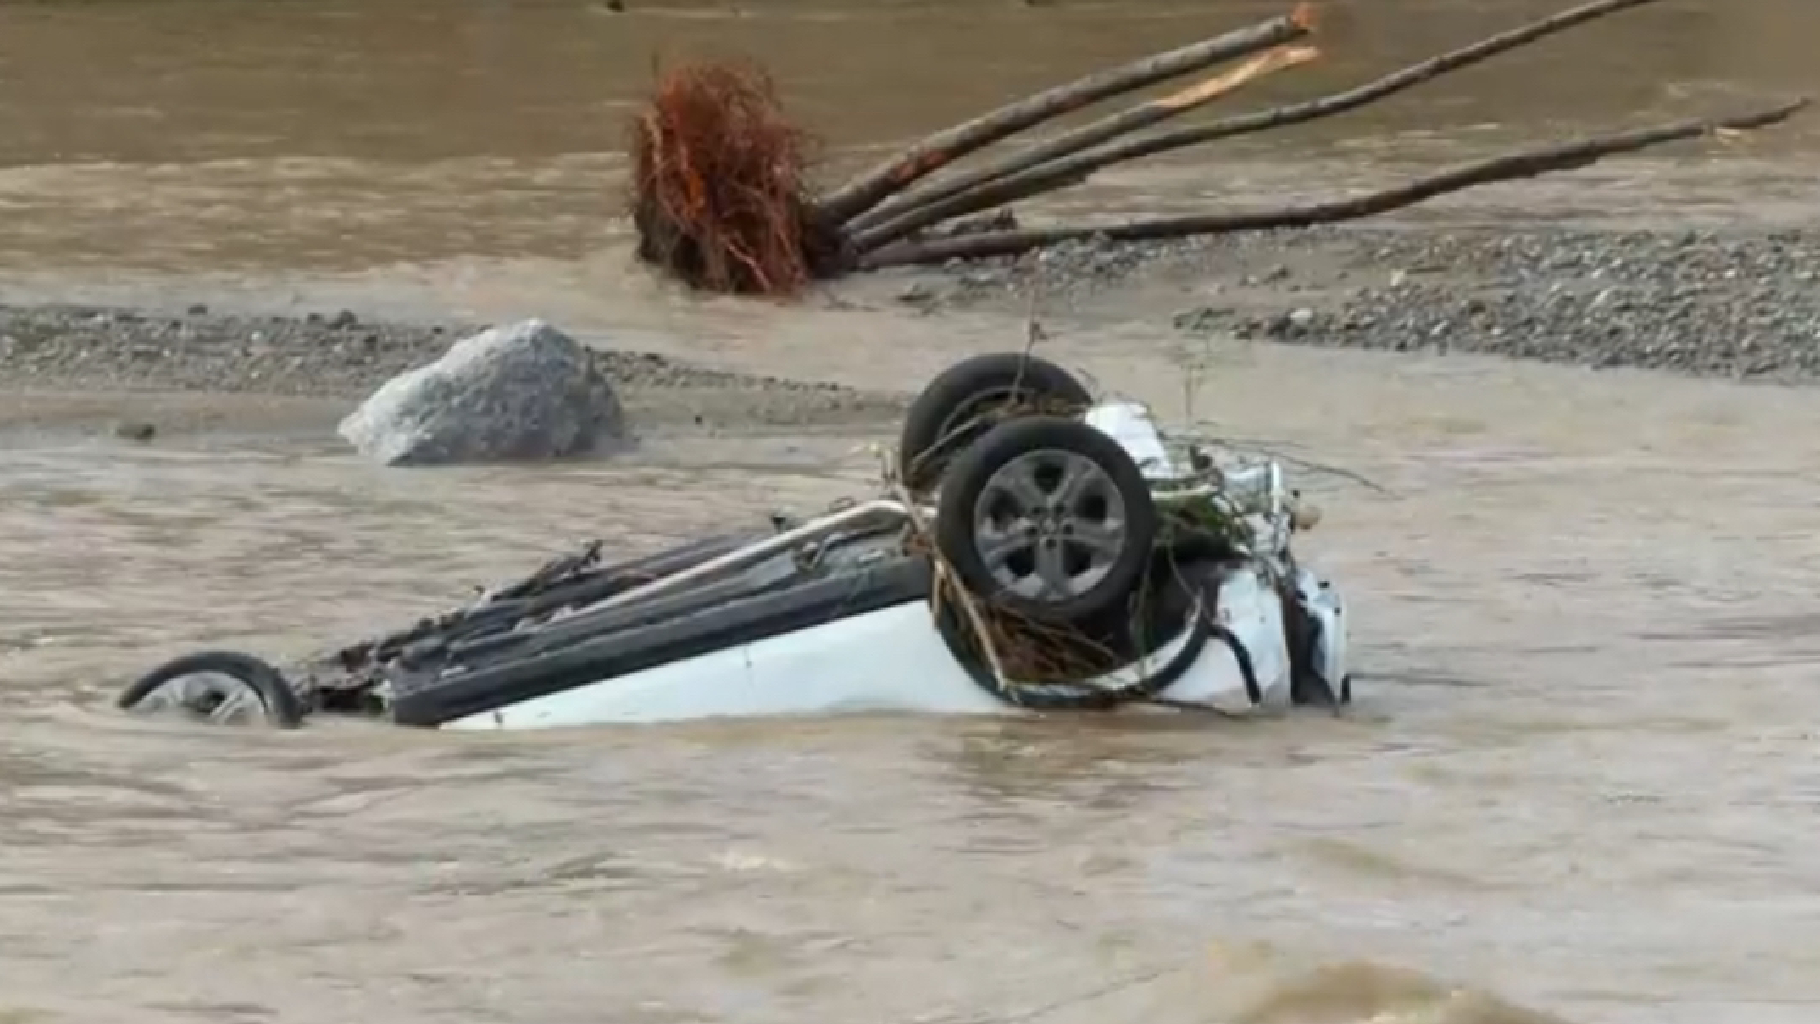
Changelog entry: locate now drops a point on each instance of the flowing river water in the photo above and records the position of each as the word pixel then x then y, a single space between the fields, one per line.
pixel 1578 783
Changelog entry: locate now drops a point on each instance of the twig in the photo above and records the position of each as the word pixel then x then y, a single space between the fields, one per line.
pixel 1273 449
pixel 1077 168
pixel 1340 471
pixel 1033 331
pixel 944 147
pixel 1510 166
pixel 916 210
pixel 1098 992
pixel 975 618
pixel 1331 470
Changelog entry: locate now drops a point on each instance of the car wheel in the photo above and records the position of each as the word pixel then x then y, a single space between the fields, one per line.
pixel 966 399
pixel 1050 518
pixel 221 686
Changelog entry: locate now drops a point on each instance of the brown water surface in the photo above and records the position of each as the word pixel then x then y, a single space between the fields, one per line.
pixel 1581 775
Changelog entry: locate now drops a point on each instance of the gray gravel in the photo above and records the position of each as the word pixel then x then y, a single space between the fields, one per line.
pixel 338 355
pixel 1743 305
pixel 1737 304
pixel 1739 307
pixel 344 356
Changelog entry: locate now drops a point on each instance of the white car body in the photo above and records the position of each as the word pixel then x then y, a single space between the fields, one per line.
pixel 831 616
pixel 895 659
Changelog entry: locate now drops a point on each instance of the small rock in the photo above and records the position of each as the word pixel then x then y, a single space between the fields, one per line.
pixel 1201 320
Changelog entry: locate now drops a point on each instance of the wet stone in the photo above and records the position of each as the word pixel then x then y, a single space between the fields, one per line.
pixel 521 392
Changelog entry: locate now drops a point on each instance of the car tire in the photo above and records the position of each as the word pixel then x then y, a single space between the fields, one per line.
pixel 1049 518
pixel 282 707
pixel 960 404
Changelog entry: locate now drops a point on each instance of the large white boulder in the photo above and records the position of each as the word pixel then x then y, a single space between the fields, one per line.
pixel 520 392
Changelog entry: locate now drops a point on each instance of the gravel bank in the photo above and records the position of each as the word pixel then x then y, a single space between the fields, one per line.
pixel 1741 305
pixel 344 357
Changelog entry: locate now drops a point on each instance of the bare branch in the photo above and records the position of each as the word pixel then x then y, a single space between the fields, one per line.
pixel 1510 166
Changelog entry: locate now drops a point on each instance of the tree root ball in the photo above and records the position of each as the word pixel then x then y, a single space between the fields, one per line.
pixel 719 193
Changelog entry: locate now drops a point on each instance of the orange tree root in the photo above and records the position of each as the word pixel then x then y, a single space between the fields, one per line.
pixel 719 197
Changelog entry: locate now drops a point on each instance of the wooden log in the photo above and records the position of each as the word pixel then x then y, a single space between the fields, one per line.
pixel 1522 164
pixel 884 220
pixel 1036 179
pixel 942 148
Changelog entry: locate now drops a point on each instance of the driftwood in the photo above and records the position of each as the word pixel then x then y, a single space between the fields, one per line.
pixel 944 147
pixel 884 219
pixel 1526 163
pixel 719 199
pixel 1022 178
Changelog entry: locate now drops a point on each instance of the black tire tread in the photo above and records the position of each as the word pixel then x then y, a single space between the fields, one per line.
pixel 283 707
pixel 931 416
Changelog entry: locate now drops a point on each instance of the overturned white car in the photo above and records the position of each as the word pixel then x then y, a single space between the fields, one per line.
pixel 1037 550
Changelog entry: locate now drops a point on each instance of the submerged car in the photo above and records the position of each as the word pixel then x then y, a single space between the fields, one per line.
pixel 1036 550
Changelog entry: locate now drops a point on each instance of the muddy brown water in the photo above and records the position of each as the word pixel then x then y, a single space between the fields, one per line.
pixel 1580 778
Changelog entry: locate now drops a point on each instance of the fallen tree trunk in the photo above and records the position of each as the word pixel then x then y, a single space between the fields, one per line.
pixel 1021 179
pixel 936 151
pixel 719 197
pixel 1522 164
pixel 1131 119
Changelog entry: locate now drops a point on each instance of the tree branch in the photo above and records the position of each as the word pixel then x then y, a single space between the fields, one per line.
pixel 883 221
pixel 1510 166
pixel 936 151
pixel 1072 170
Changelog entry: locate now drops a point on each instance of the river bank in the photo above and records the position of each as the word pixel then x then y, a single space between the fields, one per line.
pixel 140 372
pixel 1741 304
